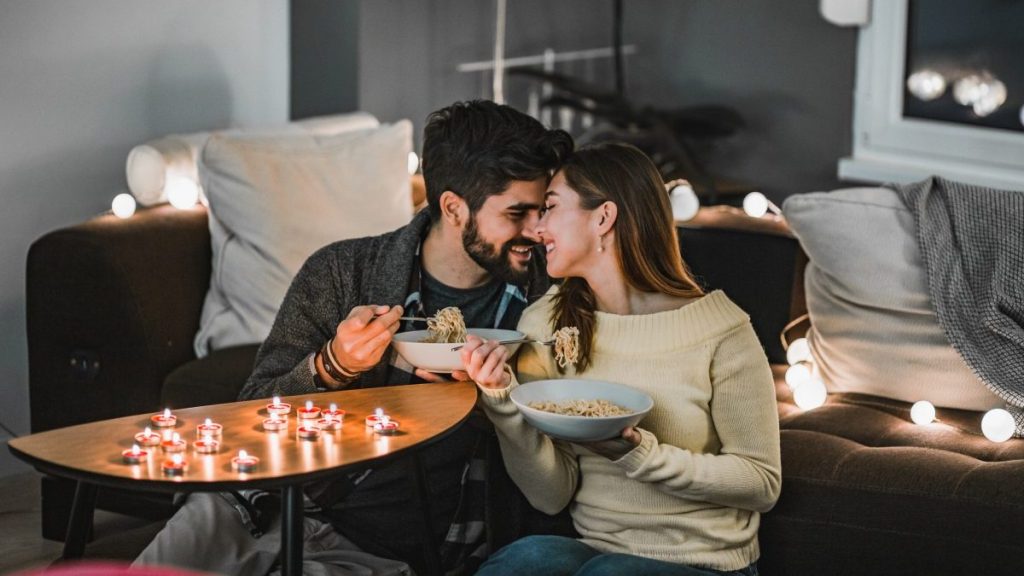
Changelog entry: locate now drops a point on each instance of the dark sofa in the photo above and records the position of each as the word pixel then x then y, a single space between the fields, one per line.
pixel 113 306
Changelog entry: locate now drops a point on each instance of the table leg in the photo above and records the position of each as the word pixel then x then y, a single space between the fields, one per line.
pixel 422 496
pixel 80 523
pixel 291 530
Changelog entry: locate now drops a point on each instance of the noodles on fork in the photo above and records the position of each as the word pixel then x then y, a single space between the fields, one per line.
pixel 567 345
pixel 447 326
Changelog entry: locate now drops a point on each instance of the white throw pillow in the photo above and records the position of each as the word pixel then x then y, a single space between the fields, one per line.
pixel 873 327
pixel 276 200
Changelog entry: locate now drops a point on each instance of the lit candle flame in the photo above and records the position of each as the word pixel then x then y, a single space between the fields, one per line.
pixel 147 431
pixel 176 459
pixel 309 404
pixel 334 407
pixel 379 412
pixel 242 454
pixel 175 438
pixel 167 412
pixel 208 422
pixel 277 400
pixel 135 449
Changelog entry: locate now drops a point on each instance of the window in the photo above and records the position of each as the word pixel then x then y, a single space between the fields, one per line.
pixel 899 134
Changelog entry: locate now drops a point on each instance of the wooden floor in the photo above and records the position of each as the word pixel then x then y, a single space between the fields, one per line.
pixel 21 545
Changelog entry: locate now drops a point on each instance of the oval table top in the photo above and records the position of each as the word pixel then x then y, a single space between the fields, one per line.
pixel 92 452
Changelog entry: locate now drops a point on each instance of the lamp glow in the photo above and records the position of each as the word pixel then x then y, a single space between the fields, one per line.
pixel 797 375
pixel 757 205
pixel 922 412
pixel 997 425
pixel 982 92
pixel 182 193
pixel 123 205
pixel 799 351
pixel 810 395
pixel 685 204
pixel 926 84
pixel 414 163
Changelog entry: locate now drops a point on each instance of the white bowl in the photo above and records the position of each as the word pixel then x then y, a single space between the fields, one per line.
pixel 581 428
pixel 438 356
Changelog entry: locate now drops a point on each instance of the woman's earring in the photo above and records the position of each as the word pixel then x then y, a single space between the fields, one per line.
pixel 600 247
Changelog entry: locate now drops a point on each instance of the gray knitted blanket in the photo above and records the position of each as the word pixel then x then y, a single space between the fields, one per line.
pixel 972 243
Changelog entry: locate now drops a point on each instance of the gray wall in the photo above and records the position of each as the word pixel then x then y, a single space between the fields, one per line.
pixel 790 73
pixel 80 84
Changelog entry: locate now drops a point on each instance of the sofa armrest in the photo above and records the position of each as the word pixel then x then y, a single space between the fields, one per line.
pixel 112 307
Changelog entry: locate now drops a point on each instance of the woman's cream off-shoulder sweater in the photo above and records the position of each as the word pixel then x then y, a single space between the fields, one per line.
pixel 693 490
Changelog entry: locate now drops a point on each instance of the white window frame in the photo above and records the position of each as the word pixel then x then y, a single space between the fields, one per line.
pixel 890 148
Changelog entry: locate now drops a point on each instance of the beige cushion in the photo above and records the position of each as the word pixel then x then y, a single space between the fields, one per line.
pixel 275 200
pixel 873 328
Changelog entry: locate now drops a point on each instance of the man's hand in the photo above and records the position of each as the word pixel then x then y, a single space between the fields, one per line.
pixel 485 362
pixel 361 339
pixel 615 448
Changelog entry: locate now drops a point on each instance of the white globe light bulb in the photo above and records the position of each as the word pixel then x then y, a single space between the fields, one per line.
pixel 799 351
pixel 811 395
pixel 414 163
pixel 797 375
pixel 182 192
pixel 123 205
pixel 992 96
pixel 997 425
pixel 685 203
pixel 967 89
pixel 755 204
pixel 922 412
pixel 926 84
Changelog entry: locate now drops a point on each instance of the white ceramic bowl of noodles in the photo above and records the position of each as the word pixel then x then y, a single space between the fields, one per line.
pixel 580 428
pixel 438 356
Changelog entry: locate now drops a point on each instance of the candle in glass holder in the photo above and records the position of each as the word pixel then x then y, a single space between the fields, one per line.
pixel 275 423
pixel 206 445
pixel 148 438
pixel 307 431
pixel 386 426
pixel 376 417
pixel 209 428
pixel 175 465
pixel 174 444
pixel 134 455
pixel 309 411
pixel 244 462
pixel 165 420
pixel 329 422
pixel 278 407
pixel 334 412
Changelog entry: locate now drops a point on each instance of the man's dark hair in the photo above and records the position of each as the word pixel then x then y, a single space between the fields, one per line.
pixel 476 148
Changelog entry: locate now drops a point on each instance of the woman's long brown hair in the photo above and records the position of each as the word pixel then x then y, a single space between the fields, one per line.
pixel 645 234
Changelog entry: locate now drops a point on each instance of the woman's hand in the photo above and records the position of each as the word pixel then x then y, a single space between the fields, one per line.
pixel 616 448
pixel 485 362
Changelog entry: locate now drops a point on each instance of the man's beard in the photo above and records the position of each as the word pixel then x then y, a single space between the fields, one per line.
pixel 497 264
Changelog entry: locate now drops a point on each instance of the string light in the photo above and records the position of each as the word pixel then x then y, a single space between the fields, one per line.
pixel 997 425
pixel 685 203
pixel 922 412
pixel 810 395
pixel 123 205
pixel 182 193
pixel 414 163
pixel 926 84
pixel 799 351
pixel 798 374
pixel 757 205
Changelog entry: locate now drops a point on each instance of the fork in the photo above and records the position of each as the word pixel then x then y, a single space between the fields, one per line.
pixel 516 341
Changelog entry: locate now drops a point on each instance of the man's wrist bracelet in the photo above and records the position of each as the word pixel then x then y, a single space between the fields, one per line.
pixel 337 373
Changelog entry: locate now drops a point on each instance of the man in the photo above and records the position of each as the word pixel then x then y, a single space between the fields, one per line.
pixel 486 169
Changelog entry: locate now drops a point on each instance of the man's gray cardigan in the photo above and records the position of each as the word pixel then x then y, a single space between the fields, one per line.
pixel 335 279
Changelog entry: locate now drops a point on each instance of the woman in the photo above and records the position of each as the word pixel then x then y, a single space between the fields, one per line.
pixel 682 493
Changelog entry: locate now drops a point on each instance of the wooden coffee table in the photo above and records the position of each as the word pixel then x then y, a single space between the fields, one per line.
pixel 91 453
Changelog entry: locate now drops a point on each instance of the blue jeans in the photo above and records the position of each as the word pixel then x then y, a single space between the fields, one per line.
pixel 561 556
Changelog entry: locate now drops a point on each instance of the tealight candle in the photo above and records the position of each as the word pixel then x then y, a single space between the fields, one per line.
pixel 207 445
pixel 175 444
pixel 244 462
pixel 309 412
pixel 209 428
pixel 175 465
pixel 377 415
pixel 134 455
pixel 275 423
pixel 165 420
pixel 334 412
pixel 148 438
pixel 328 422
pixel 278 407
pixel 386 426
pixel 308 432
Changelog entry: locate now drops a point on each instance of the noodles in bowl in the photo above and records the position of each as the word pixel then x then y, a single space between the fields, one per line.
pixel 583 395
pixel 595 408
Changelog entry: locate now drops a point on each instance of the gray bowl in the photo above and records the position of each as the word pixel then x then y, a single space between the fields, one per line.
pixel 580 428
pixel 439 357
